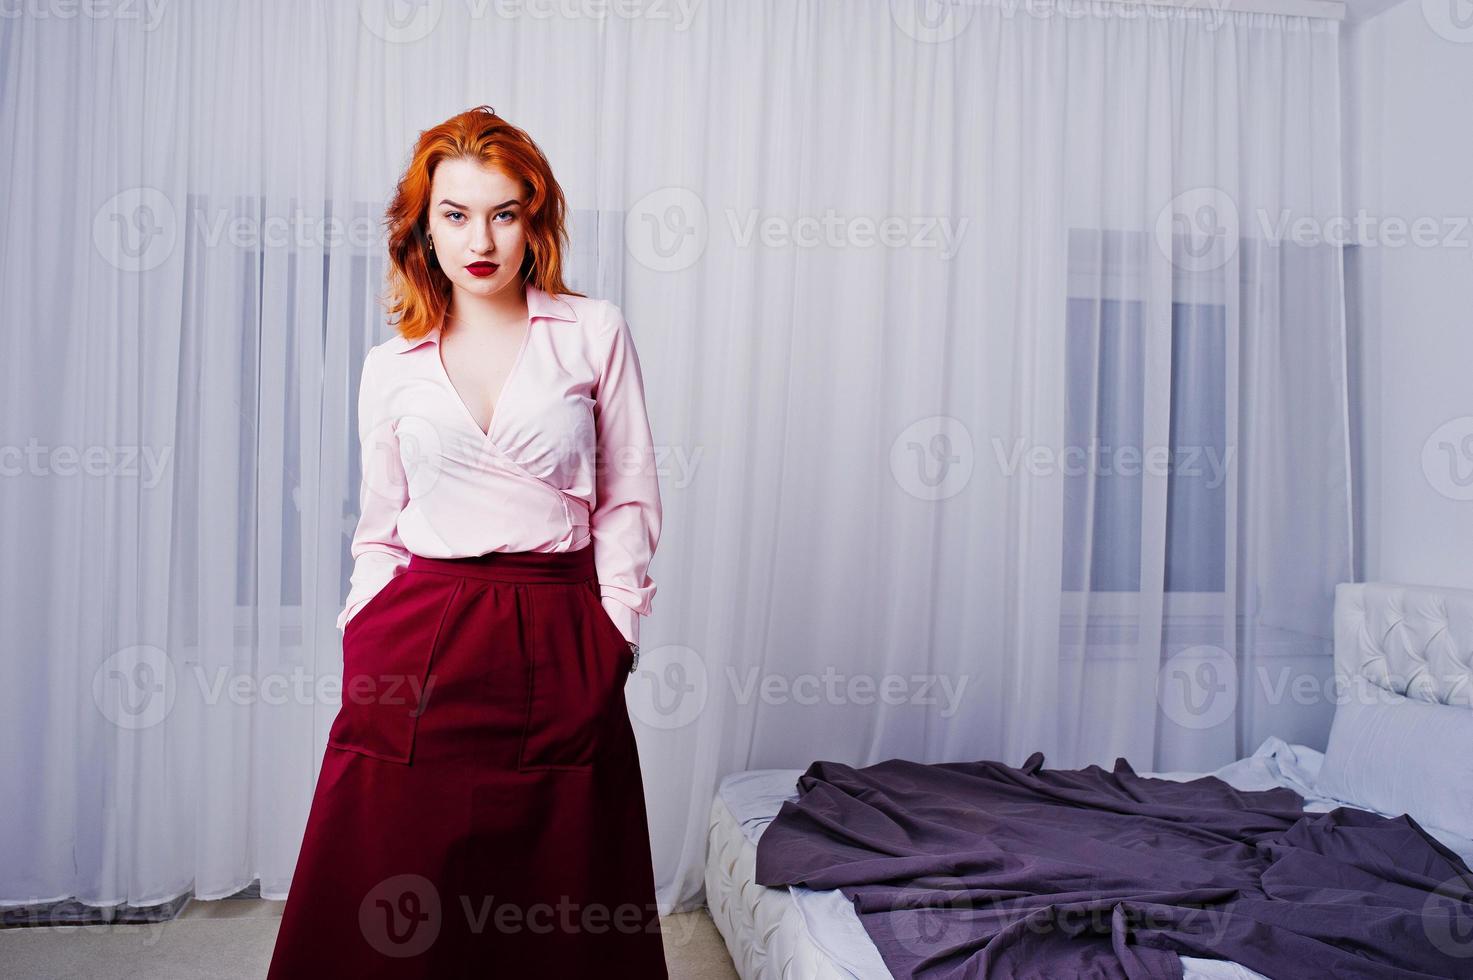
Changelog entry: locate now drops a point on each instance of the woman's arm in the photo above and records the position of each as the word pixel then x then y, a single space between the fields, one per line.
pixel 625 523
pixel 378 554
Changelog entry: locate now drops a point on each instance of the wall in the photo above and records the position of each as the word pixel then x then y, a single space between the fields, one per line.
pixel 1409 138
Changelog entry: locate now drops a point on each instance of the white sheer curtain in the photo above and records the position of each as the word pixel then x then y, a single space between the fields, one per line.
pixel 892 271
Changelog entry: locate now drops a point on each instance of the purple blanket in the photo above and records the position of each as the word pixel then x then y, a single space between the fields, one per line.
pixel 977 869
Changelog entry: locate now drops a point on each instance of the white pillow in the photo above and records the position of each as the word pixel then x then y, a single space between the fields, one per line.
pixel 1397 755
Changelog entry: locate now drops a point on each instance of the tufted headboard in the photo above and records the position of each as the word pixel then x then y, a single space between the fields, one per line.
pixel 1412 639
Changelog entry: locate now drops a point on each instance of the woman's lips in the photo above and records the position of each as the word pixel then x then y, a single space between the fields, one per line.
pixel 481 269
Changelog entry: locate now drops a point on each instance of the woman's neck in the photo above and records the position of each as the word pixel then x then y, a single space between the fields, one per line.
pixel 505 309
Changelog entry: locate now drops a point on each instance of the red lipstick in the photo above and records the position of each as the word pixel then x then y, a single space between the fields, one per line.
pixel 481 269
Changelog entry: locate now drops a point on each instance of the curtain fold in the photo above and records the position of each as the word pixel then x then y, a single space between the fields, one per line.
pixel 993 415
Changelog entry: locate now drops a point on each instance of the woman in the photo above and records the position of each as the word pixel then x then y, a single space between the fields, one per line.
pixel 480 810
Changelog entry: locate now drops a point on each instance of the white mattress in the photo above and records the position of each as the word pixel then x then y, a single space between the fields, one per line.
pixel 799 934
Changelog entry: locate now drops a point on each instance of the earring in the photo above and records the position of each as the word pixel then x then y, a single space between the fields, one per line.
pixel 432 242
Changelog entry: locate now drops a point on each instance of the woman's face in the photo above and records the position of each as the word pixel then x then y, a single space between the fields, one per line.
pixel 476 221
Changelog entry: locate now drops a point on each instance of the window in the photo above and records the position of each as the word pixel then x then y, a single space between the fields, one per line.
pixel 1108 459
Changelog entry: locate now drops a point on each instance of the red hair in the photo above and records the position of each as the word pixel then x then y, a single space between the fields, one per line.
pixel 418 291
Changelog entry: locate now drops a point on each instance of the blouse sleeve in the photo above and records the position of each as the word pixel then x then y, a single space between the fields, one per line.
pixel 378 554
pixel 625 521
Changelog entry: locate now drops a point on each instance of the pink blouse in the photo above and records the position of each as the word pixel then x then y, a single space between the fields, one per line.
pixel 569 457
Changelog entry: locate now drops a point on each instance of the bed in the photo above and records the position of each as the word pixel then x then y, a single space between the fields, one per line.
pixel 1415 641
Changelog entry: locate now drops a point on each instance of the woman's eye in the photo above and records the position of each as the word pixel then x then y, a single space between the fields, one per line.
pixel 513 214
pixel 452 214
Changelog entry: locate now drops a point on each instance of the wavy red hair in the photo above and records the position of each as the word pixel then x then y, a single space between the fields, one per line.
pixel 418 292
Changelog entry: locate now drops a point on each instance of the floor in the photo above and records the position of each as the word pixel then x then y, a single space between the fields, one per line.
pixel 233 938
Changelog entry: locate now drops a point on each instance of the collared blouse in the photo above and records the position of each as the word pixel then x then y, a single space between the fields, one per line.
pixel 568 458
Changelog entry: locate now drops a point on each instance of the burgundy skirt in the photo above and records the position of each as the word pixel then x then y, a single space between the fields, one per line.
pixel 480 810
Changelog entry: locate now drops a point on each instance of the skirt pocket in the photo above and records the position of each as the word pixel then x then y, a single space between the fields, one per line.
pixel 373 603
pixel 615 637
pixel 576 662
pixel 386 666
